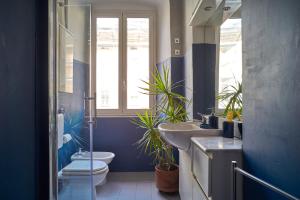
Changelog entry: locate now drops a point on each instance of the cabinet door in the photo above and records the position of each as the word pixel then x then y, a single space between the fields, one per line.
pixel 201 168
pixel 197 191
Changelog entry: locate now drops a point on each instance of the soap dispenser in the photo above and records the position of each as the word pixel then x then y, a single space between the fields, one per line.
pixel 213 119
pixel 203 124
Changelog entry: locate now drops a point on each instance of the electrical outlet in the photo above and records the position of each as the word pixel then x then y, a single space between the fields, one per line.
pixel 177 52
pixel 177 40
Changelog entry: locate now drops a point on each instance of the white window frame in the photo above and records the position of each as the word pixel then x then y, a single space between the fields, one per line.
pixel 217 74
pixel 123 15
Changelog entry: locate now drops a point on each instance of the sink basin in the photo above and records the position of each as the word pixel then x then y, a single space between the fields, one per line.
pixel 179 134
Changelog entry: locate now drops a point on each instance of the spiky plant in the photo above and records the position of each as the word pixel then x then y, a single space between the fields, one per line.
pixel 172 106
pixel 73 126
pixel 170 103
pixel 151 143
pixel 232 96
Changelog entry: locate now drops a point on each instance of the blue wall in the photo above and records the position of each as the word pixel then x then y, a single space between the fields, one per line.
pixel 177 73
pixel 73 105
pixel 23 72
pixel 176 67
pixel 17 96
pixel 119 135
pixel 271 93
pixel 204 62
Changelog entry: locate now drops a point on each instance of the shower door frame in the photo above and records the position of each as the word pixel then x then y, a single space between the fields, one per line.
pixel 52 104
pixel 53 153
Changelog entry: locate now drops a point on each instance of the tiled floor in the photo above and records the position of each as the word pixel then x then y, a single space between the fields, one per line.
pixel 132 186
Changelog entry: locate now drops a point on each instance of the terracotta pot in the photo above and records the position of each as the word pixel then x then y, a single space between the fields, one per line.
pixel 167 181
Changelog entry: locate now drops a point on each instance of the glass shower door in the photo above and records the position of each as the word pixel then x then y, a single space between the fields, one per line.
pixel 75 103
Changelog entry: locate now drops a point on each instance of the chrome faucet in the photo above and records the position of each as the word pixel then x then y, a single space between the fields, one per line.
pixel 203 119
pixel 80 151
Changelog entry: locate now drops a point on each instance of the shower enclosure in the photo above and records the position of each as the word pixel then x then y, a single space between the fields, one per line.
pixel 72 104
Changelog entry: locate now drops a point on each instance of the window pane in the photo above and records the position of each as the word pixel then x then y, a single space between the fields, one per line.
pixel 137 62
pixel 230 62
pixel 107 70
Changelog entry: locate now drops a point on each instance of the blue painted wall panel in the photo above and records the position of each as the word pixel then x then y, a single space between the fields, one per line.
pixel 204 61
pixel 271 93
pixel 119 135
pixel 177 73
pixel 17 100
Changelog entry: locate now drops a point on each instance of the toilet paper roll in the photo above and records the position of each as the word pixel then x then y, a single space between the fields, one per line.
pixel 66 138
pixel 60 130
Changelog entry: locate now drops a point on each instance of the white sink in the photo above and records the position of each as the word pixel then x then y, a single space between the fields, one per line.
pixel 179 134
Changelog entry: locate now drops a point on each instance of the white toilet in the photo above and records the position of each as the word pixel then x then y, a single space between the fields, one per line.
pixel 105 157
pixel 77 174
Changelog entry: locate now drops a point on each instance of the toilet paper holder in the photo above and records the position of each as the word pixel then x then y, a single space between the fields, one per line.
pixel 67 138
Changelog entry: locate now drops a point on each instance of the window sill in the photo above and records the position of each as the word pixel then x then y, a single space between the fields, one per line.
pixel 119 114
pixel 116 116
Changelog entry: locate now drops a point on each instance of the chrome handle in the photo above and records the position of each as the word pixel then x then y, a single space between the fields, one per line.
pixel 95 109
pixel 235 170
pixel 91 117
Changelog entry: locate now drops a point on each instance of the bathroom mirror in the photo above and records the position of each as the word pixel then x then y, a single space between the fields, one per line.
pixel 65 60
pixel 229 47
pixel 230 54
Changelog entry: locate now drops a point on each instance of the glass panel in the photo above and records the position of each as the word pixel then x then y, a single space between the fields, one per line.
pixel 72 131
pixel 230 60
pixel 107 63
pixel 65 60
pixel 138 50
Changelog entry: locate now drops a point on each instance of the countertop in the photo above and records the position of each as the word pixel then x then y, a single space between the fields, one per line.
pixel 210 144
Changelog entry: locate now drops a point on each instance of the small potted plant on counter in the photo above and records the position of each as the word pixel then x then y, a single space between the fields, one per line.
pixel 231 96
pixel 170 107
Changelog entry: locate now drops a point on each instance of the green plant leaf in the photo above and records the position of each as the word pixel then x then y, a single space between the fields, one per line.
pixel 172 105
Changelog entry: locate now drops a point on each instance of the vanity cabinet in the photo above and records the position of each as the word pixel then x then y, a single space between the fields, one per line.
pixel 197 193
pixel 211 167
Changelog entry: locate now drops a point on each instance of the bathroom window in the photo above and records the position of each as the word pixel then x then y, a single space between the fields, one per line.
pixel 123 57
pixel 107 62
pixel 230 55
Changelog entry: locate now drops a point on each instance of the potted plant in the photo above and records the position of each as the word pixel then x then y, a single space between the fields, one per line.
pixel 171 108
pixel 232 97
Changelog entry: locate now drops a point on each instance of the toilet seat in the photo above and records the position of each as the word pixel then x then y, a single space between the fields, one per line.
pixel 83 168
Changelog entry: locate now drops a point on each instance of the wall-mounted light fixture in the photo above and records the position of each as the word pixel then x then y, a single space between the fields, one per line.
pixel 226 8
pixel 208 8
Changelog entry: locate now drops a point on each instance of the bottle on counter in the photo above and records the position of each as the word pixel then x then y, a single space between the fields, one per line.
pixel 213 119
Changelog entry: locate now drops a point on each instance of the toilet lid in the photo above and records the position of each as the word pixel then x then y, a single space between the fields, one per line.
pixel 84 166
